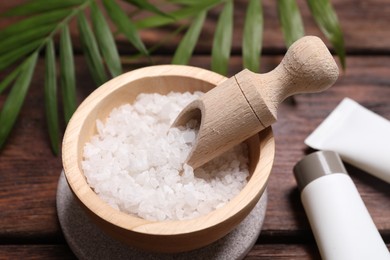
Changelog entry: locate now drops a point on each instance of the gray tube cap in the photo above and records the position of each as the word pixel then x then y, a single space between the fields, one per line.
pixel 316 165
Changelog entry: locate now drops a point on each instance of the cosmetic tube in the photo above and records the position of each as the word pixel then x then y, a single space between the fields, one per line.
pixel 341 224
pixel 358 135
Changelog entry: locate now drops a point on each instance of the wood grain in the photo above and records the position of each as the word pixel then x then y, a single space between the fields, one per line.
pixel 29 172
pixel 259 252
pixel 49 251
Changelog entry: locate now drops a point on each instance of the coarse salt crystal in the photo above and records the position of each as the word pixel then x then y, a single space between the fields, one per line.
pixel 136 162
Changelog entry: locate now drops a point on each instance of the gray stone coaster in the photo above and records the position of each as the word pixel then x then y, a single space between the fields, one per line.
pixel 89 242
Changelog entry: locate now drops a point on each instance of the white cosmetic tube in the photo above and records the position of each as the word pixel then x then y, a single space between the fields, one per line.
pixel 341 224
pixel 358 135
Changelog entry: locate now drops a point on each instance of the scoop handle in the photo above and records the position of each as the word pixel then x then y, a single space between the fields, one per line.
pixel 307 67
pixel 247 103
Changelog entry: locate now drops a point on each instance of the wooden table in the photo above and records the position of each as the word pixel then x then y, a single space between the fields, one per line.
pixel 29 172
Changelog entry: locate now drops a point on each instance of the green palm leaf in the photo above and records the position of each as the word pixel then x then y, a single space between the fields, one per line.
pixel 291 21
pixel 185 2
pixel 50 94
pixel 253 35
pixel 9 58
pixel 183 13
pixel 14 101
pixel 125 25
pixel 41 20
pixel 90 48
pixel 20 40
pixel 187 44
pixel 106 41
pixel 33 22
pixel 40 6
pixel 145 5
pixel 67 74
pixel 223 40
pixel 326 18
pixel 8 80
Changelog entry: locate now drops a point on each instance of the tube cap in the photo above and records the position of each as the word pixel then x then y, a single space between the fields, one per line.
pixel 316 165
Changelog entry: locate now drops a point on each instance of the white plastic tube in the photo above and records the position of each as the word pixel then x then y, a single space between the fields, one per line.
pixel 341 224
pixel 361 137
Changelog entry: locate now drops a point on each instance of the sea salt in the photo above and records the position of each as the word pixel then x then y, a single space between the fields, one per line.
pixel 136 162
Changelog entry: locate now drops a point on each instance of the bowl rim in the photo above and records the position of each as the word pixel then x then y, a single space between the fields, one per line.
pixel 85 194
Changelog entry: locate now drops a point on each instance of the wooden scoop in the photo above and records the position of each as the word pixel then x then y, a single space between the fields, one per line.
pixel 247 103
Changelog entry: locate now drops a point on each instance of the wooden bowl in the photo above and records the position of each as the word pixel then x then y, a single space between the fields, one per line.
pixel 167 236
